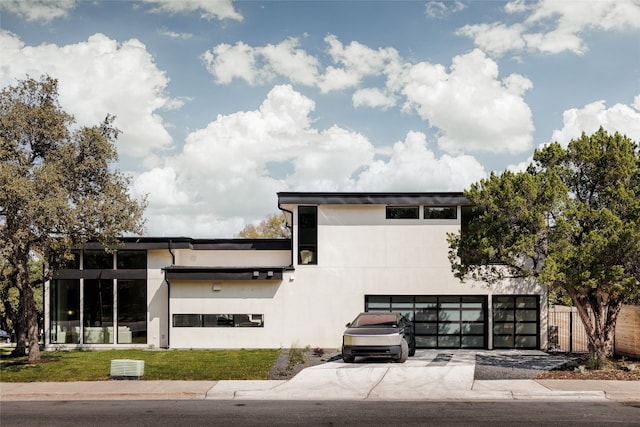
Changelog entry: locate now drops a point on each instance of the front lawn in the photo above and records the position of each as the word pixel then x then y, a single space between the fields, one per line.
pixel 86 365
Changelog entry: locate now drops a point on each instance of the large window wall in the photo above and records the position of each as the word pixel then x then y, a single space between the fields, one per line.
pixel 100 304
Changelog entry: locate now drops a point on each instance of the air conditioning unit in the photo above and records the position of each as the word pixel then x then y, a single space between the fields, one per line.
pixel 126 369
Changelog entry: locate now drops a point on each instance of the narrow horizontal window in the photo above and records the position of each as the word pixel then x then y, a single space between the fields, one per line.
pixel 218 320
pixel 403 212
pixel 440 212
pixel 187 320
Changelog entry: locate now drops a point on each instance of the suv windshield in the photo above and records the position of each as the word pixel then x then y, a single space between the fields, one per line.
pixel 373 320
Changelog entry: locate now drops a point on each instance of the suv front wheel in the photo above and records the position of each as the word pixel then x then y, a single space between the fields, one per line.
pixel 348 359
pixel 404 352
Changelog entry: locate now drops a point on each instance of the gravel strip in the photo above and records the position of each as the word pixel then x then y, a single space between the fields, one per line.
pixel 516 367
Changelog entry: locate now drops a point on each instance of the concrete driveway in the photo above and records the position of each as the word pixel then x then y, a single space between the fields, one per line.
pixel 429 375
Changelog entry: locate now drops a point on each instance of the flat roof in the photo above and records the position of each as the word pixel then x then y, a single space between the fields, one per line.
pixel 387 198
pixel 196 244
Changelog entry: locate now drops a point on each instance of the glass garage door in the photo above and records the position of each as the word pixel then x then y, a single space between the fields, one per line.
pixel 516 321
pixel 458 321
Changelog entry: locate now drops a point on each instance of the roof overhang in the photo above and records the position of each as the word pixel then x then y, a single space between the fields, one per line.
pixel 150 243
pixel 299 198
pixel 224 273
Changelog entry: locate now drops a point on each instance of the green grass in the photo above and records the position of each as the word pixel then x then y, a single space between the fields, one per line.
pixel 158 365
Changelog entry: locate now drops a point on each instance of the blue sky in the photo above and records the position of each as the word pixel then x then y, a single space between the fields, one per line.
pixel 222 104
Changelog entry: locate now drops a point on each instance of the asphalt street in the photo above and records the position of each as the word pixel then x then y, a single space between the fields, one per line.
pixel 316 413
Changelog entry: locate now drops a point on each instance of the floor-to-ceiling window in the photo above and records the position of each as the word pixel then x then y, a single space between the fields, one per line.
pixel 132 311
pixel 65 311
pixel 92 303
pixel 98 311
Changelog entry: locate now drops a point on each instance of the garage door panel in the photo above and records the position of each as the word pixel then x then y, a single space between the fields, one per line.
pixel 440 321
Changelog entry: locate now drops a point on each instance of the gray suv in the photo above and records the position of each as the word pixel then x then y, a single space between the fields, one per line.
pixel 375 334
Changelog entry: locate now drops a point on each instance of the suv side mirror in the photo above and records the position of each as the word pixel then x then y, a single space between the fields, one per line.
pixel 348 325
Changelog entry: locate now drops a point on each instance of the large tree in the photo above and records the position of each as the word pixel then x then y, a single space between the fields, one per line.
pixel 57 190
pixel 274 226
pixel 571 220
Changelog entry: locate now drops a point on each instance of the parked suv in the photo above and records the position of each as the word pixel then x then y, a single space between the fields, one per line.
pixel 375 334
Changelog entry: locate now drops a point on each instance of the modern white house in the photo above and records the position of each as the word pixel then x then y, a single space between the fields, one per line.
pixel 349 252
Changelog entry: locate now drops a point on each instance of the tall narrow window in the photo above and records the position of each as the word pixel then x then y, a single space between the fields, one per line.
pixel 98 311
pixel 307 235
pixel 65 312
pixel 132 311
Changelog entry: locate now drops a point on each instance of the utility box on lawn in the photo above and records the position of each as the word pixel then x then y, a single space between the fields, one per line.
pixel 125 369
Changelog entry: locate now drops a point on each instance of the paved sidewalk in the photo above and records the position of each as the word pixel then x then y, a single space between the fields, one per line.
pixel 431 375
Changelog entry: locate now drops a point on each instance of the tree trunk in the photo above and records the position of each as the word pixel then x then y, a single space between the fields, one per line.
pixel 27 328
pixel 599 317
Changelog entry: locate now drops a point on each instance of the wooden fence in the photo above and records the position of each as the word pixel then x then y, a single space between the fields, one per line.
pixel 567 334
pixel 627 341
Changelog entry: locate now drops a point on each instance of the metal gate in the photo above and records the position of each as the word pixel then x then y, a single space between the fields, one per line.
pixel 566 331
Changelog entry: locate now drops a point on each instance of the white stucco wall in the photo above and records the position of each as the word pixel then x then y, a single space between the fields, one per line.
pixel 157 298
pixel 359 253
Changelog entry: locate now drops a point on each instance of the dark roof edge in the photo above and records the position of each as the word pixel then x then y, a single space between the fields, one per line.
pixel 196 244
pixel 428 198
pixel 224 273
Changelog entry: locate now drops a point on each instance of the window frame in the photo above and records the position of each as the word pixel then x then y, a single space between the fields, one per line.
pixel 403 212
pixel 204 320
pixel 440 208
pixel 308 235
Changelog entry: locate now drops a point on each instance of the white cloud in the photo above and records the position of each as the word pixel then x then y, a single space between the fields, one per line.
pixel 496 38
pixel 174 35
pixel 162 188
pixel 552 26
pixel 372 97
pixel 472 108
pixel 263 64
pixel 338 79
pixel 38 10
pixel 96 78
pixel 220 181
pixel 619 118
pixel 288 60
pixel 226 62
pixel 442 9
pixel 209 9
pixel 360 59
pixel 412 166
pixel 257 65
pixel 355 62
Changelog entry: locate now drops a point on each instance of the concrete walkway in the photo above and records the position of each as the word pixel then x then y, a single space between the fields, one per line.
pixel 431 375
